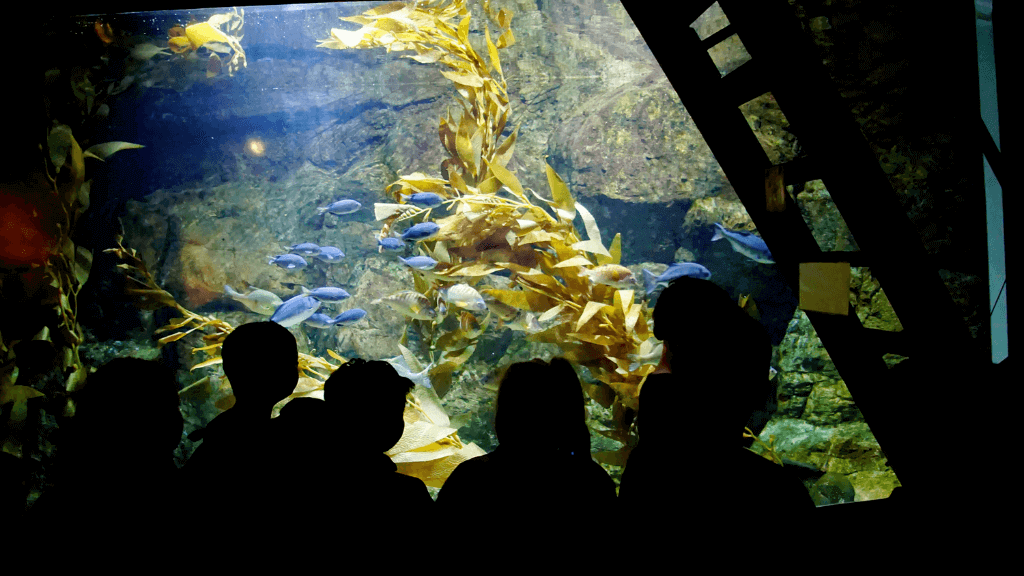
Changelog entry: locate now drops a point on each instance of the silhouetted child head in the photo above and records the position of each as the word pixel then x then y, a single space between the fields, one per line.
pixel 538 396
pixel 369 397
pixel 132 404
pixel 718 355
pixel 261 361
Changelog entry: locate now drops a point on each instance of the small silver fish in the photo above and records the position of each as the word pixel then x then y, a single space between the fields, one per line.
pixel 611 275
pixel 259 301
pixel 463 296
pixel 410 303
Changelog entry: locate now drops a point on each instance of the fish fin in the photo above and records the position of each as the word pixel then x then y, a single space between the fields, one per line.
pixel 649 282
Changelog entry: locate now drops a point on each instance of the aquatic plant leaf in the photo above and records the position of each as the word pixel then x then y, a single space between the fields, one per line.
pixel 205 363
pixel 522 299
pixel 225 403
pixel 473 270
pixel 508 179
pixel 536 235
pixel 410 360
pixel 173 337
pixel 105 150
pixel 83 264
pixel 173 324
pixel 614 251
pixel 554 311
pixel 335 355
pixel 58 141
pixel 464 79
pixel 623 300
pixel 562 199
pixel 616 458
pixel 199 34
pixel 383 211
pixel 574 261
pixel 632 316
pixel 218 47
pixel 492 52
pixel 592 338
pixel 591 309
pixel 594 244
pixel 83 195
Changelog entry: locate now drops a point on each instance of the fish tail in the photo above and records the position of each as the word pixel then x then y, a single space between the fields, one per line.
pixel 649 282
pixel 230 291
pixel 718 233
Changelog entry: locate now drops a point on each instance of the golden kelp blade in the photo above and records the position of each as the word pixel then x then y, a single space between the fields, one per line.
pixel 210 362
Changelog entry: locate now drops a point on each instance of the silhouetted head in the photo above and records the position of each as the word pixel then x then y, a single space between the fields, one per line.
pixel 369 397
pixel 133 404
pixel 719 355
pixel 541 398
pixel 261 361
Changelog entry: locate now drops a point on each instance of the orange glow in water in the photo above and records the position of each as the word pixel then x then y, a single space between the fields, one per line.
pixel 255 146
pixel 22 239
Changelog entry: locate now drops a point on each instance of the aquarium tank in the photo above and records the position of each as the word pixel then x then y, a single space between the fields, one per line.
pixel 450 186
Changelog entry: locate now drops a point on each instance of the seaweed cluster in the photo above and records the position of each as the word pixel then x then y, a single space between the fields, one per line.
pixel 44 270
pixel 494 226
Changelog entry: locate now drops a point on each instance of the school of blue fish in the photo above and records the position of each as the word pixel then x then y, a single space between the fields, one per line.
pixel 305 307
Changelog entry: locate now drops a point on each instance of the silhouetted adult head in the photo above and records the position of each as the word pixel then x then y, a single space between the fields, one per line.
pixel 371 397
pixel 261 361
pixel 133 403
pixel 718 356
pixel 537 397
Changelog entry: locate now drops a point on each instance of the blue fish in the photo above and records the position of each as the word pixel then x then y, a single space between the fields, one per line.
pixel 391 243
pixel 745 243
pixel 419 262
pixel 674 271
pixel 341 207
pixel 329 254
pixel 304 248
pixel 428 199
pixel 326 293
pixel 349 317
pixel 288 261
pixel 421 231
pixel 319 320
pixel 295 310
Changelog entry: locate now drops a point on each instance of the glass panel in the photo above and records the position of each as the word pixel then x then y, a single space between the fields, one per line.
pixel 246 160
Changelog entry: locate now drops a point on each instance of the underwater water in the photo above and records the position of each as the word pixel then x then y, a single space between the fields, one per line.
pixel 427 207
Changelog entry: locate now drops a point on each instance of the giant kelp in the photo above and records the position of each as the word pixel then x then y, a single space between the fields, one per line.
pixel 43 266
pixel 492 223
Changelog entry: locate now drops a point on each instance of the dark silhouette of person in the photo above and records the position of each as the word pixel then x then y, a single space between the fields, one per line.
pixel 540 486
pixel 691 461
pixel 237 472
pixel 367 402
pixel 117 482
